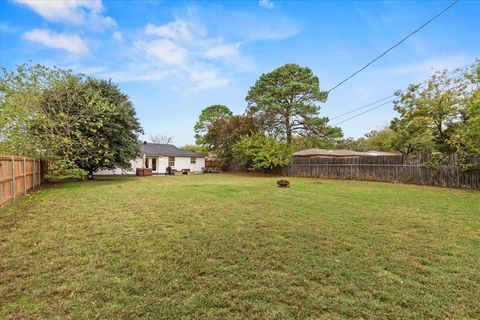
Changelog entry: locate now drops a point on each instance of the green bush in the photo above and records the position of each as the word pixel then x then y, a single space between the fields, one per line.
pixel 65 169
pixel 259 151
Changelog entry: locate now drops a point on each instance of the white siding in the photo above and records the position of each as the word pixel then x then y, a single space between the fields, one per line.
pixel 184 163
pixel 162 164
pixel 137 163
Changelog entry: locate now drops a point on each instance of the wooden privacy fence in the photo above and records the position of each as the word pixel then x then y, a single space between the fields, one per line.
pixel 18 175
pixel 385 168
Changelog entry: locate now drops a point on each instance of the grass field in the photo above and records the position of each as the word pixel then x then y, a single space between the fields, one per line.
pixel 238 247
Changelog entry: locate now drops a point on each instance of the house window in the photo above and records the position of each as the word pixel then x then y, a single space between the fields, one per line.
pixel 193 160
pixel 146 163
pixel 171 161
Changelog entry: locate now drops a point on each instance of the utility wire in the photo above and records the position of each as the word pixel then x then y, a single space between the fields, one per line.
pixel 395 45
pixel 362 113
pixel 362 107
pixel 465 67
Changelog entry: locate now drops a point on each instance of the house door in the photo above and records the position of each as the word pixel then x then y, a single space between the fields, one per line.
pixel 154 164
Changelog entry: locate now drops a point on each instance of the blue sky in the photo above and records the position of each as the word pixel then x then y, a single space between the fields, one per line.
pixel 173 58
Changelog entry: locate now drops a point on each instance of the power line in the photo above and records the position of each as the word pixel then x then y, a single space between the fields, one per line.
pixel 395 45
pixel 362 113
pixel 383 104
pixel 360 108
pixel 391 96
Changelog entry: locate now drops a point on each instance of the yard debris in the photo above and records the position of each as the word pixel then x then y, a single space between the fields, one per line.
pixel 283 183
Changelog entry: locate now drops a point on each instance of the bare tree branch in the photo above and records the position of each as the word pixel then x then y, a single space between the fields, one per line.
pixel 161 138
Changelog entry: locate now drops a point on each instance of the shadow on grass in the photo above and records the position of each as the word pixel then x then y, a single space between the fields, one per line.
pixel 96 182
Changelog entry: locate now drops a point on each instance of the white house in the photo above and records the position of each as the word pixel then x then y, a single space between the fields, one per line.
pixel 160 156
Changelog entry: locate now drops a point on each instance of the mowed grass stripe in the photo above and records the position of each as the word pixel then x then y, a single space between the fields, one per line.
pixel 232 246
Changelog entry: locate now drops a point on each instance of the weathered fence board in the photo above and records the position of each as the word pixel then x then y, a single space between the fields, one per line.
pixel 385 168
pixel 19 175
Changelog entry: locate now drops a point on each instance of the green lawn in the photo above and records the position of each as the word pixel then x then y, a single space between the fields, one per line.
pixel 238 247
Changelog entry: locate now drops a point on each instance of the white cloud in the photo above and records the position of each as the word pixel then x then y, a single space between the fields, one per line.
pixel 222 51
pixel 117 35
pixel 136 73
pixel 186 55
pixel 184 50
pixel 188 40
pixel 266 4
pixel 204 79
pixel 69 42
pixel 179 30
pixel 180 52
pixel 164 50
pixel 77 12
pixel 276 29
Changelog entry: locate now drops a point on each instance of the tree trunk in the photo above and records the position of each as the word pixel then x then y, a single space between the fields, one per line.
pixel 288 129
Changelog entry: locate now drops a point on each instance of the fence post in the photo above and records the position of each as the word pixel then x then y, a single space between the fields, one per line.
pixel 14 185
pixel 33 175
pixel 458 176
pixel 40 170
pixel 24 176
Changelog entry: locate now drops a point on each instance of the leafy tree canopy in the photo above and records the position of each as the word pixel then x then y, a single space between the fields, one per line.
pixel 286 100
pixel 194 148
pixel 442 109
pixel 207 118
pixel 224 133
pixel 466 137
pixel 312 141
pixel 20 93
pixel 378 140
pixel 410 137
pixel 81 122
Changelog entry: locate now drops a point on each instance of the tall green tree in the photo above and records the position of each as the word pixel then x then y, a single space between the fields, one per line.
pixel 78 122
pixel 350 143
pixel 287 101
pixel 410 137
pixel 378 140
pixel 313 141
pixel 224 133
pixel 89 122
pixel 194 148
pixel 207 118
pixel 20 93
pixel 466 137
pixel 434 108
pixel 441 115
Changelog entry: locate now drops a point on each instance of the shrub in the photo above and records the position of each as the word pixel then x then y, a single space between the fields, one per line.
pixel 259 151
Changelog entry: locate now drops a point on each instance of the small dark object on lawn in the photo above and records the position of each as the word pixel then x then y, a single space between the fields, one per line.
pixel 317 182
pixel 283 183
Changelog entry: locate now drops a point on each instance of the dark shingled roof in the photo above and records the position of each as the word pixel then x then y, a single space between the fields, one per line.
pixel 158 149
